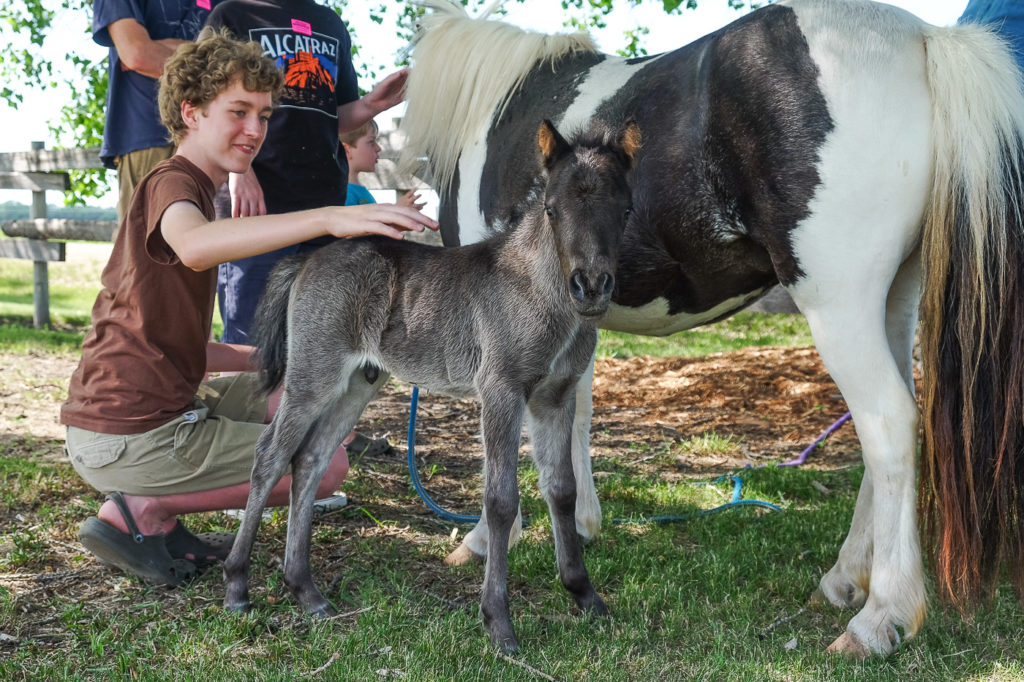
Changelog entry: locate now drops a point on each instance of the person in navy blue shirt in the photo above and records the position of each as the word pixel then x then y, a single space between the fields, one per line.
pixel 141 35
pixel 1005 16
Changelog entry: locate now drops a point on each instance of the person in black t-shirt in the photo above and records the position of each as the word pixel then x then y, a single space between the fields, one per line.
pixel 300 165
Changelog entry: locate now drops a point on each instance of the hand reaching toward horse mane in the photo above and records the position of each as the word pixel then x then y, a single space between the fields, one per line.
pixel 411 199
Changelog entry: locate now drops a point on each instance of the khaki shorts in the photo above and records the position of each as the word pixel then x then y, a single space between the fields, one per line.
pixel 211 446
pixel 131 168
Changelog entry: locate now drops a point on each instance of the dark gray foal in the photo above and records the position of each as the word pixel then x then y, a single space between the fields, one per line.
pixel 510 319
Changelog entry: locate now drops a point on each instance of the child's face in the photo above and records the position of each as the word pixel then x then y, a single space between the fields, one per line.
pixel 362 156
pixel 228 133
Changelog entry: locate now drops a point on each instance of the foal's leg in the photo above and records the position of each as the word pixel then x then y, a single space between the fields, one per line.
pixel 588 506
pixel 502 419
pixel 308 469
pixel 846 584
pixel 550 421
pixel 274 451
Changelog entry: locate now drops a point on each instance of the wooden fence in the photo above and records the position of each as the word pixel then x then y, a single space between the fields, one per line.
pixel 43 240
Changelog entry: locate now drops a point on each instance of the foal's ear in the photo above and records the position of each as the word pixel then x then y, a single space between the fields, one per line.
pixel 630 140
pixel 552 145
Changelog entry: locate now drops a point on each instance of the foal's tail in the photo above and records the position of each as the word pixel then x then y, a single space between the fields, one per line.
pixel 270 326
pixel 972 343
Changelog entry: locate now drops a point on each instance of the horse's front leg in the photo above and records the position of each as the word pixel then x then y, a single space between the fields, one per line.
pixel 846 583
pixel 502 418
pixel 550 420
pixel 588 506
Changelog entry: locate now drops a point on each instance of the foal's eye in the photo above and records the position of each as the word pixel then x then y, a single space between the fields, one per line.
pixel 550 212
pixel 627 213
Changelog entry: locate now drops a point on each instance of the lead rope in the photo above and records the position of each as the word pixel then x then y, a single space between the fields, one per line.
pixel 736 500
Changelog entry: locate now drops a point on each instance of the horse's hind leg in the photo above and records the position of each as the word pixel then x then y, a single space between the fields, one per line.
pixel 274 450
pixel 846 584
pixel 849 323
pixel 550 421
pixel 308 469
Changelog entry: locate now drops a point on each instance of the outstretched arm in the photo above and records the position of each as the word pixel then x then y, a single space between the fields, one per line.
pixel 384 95
pixel 201 244
pixel 411 199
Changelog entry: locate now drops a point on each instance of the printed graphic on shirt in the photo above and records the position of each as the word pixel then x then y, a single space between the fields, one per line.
pixel 309 63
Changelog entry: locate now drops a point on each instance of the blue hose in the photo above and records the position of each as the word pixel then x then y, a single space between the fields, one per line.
pixel 415 475
pixel 737 490
pixel 473 518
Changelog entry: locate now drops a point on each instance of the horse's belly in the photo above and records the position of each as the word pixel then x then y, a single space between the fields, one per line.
pixel 654 318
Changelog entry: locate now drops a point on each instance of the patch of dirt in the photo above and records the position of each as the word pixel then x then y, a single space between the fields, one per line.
pixel 770 403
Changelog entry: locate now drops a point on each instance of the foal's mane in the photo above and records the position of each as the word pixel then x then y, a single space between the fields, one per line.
pixel 464 73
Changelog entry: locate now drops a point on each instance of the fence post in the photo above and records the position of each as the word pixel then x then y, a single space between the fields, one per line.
pixel 40 273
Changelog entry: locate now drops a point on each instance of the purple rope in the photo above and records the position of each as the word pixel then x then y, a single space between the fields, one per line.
pixel 803 455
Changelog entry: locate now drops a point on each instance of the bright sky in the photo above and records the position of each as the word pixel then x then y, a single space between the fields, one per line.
pixel 379 45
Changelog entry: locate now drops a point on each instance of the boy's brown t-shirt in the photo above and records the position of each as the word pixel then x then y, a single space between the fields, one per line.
pixel 145 355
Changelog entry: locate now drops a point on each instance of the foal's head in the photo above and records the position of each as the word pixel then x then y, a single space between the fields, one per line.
pixel 587 202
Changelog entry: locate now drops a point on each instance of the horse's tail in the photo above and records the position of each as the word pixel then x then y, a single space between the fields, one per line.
pixel 972 342
pixel 270 325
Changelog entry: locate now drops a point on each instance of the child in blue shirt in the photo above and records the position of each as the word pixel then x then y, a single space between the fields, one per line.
pixel 362 152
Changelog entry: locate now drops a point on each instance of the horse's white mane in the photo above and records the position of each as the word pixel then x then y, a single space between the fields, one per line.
pixel 464 72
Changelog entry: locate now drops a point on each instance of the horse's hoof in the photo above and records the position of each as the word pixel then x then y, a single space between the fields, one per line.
pixel 598 608
pixel 851 646
pixel 322 612
pixel 507 645
pixel 462 555
pixel 240 607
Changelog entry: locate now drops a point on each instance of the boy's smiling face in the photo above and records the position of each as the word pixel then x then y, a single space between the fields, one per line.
pixel 225 135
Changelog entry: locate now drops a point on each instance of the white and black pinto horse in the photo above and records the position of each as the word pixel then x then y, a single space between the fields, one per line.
pixel 845 149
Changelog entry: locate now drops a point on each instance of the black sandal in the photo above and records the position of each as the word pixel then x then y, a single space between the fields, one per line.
pixel 181 543
pixel 143 556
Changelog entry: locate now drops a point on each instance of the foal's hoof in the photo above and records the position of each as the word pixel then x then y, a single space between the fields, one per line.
pixel 322 612
pixel 240 607
pixel 598 608
pixel 462 555
pixel 850 645
pixel 507 644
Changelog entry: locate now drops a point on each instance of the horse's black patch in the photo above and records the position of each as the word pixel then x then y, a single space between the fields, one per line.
pixel 733 124
pixel 511 171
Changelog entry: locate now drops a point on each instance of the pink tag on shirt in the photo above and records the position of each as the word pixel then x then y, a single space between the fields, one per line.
pixel 303 27
pixel 205 4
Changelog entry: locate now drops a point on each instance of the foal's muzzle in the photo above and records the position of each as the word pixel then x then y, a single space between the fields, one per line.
pixel 591 292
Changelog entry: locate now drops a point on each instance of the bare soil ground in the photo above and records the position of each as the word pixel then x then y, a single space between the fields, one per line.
pixel 772 401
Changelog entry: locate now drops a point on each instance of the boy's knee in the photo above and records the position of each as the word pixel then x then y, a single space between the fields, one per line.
pixel 336 470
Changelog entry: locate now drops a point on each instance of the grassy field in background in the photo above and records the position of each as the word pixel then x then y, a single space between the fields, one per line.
pixel 75 283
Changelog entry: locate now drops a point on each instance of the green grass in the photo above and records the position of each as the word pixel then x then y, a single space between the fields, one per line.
pixel 742 330
pixel 715 597
pixel 73 286
pixel 711 597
